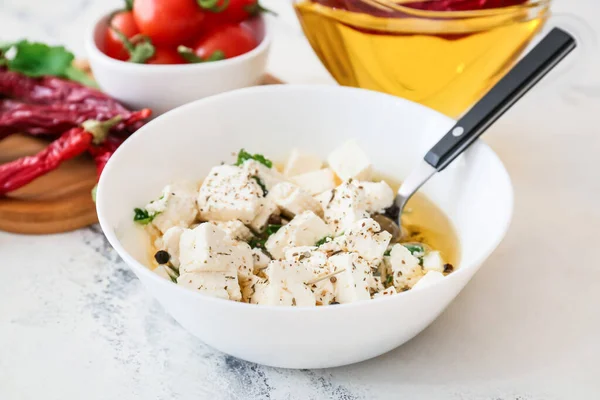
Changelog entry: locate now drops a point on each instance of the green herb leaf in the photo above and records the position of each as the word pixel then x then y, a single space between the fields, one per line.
pixel 256 242
pixel 38 59
pixel 77 75
pixel 387 253
pixel 243 155
pixel 261 184
pixel 389 280
pixel 173 274
pixel 323 241
pixel 142 216
pixel 415 249
pixel 271 229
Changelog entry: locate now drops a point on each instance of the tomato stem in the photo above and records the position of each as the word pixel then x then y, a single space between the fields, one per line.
pixel 213 5
pixel 141 51
pixel 257 8
pixel 128 5
pixel 189 55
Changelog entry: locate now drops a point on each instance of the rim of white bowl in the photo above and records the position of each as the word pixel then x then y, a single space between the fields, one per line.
pixel 93 51
pixel 145 270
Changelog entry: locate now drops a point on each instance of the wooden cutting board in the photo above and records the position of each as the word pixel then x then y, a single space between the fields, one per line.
pixel 57 202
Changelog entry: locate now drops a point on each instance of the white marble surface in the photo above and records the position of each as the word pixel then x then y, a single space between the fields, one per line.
pixel 76 324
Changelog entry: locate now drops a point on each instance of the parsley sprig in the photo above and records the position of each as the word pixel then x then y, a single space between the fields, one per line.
pixel 243 155
pixel 38 59
pixel 142 216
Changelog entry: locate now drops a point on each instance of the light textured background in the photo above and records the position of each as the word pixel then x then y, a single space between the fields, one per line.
pixel 76 324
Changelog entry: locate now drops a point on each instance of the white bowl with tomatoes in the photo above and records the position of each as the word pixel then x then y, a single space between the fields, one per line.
pixel 164 53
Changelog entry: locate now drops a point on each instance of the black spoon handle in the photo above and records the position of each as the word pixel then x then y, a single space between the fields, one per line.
pixel 522 77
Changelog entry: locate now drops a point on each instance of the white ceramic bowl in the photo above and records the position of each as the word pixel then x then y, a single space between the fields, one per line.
pixel 164 87
pixel 475 192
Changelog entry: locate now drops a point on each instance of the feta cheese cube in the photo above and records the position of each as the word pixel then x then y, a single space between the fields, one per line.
pixel 366 238
pixel 169 242
pixel 175 207
pixel 206 248
pixel 404 267
pixel 433 261
pixel 387 292
pixel 317 181
pixel 325 198
pixel 346 207
pixel 261 260
pixel 287 284
pixel 353 284
pixel 316 262
pixel 254 290
pixel 301 163
pixel 350 161
pixel 217 284
pixel 229 193
pixel 429 278
pixel 292 200
pixel 235 230
pixel 377 195
pixel 268 176
pixel 304 230
pixel 267 209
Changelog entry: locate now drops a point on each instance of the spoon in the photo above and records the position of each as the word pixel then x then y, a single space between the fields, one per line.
pixel 522 77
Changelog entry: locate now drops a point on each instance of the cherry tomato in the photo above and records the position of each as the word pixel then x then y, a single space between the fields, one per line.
pixel 168 22
pixel 124 22
pixel 166 55
pixel 231 40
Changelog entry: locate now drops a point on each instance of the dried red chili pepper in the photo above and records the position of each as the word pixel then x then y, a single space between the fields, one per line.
pixel 72 143
pixel 60 94
pixel 53 119
pixel 102 153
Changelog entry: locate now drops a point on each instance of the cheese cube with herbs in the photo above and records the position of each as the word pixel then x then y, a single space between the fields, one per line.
pixel 169 242
pixel 176 206
pixel 248 232
pixel 267 210
pixel 287 286
pixel 404 267
pixel 301 163
pixel 217 284
pixel 305 229
pixel 429 278
pixel 316 182
pixel 292 200
pixel 207 248
pixel 267 176
pixel 366 238
pixel 345 207
pixel 349 161
pixel 235 229
pixel 354 282
pixel 377 196
pixel 433 261
pixel 230 193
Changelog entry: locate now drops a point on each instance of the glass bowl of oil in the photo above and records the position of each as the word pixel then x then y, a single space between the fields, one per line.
pixel 444 54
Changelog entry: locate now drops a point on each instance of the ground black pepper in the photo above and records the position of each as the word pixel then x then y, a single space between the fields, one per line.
pixel 162 257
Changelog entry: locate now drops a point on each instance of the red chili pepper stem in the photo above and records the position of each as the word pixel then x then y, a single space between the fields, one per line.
pixel 100 129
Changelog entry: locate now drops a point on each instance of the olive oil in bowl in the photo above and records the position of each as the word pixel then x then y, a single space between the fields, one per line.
pixel 445 60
